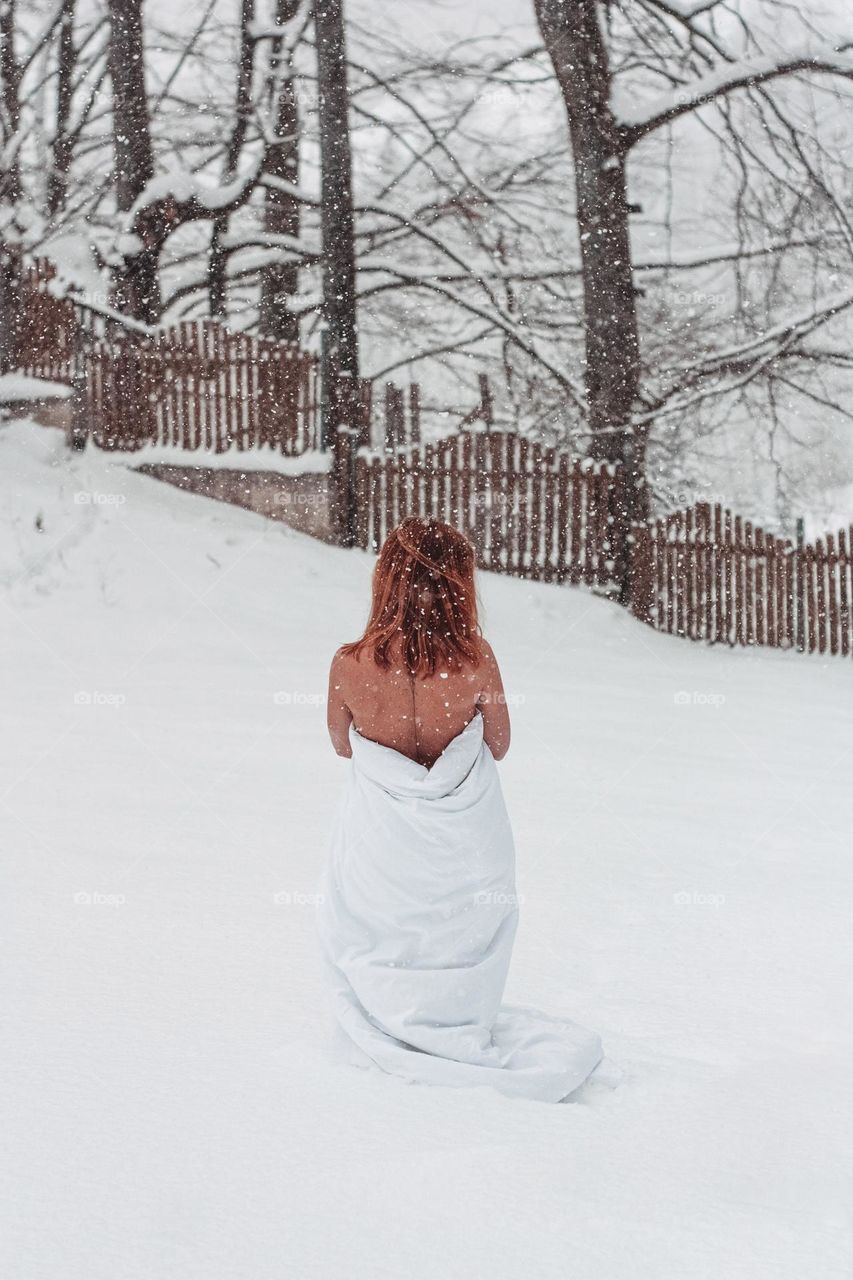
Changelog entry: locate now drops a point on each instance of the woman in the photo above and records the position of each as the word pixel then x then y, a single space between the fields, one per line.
pixel 418 909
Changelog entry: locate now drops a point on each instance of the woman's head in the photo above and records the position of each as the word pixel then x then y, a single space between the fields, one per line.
pixel 423 598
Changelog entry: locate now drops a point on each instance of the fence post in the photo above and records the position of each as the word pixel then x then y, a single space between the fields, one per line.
pixel 326 381
pixel 11 302
pixel 414 414
pixel 78 426
pixel 486 402
pixel 395 418
pixel 388 426
pixel 365 412
pixel 343 505
pixel 346 433
pixel 640 572
pixel 800 592
pixel 618 534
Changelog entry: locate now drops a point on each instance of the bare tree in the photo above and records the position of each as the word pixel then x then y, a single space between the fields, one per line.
pixel 242 113
pixel 63 137
pixel 574 37
pixel 337 220
pixel 282 214
pixel 137 282
pixel 162 206
pixel 10 184
pixel 10 104
pixel 687 55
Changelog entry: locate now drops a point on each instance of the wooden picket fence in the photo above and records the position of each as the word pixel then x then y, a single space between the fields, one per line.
pixel 707 574
pixel 51 331
pixel 530 511
pixel 200 387
pixel 534 512
pixel 197 384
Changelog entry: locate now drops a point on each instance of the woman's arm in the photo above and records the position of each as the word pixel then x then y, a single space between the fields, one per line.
pixel 492 703
pixel 338 714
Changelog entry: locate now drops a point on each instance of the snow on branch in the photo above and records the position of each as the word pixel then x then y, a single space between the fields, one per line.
pixel 171 200
pixel 187 192
pixel 773 340
pixel 685 10
pixel 289 248
pixel 637 121
pixel 302 194
pixel 733 368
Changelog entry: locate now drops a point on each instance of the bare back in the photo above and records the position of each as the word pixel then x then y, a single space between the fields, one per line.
pixel 417 716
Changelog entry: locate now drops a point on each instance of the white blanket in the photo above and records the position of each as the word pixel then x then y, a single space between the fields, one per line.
pixel 417 917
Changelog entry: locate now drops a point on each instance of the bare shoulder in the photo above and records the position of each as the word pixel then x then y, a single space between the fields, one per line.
pixel 340 667
pixel 489 658
pixel 489 673
pixel 492 703
pixel 349 670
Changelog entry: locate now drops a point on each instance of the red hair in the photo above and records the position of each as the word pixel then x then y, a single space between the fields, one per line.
pixel 423 595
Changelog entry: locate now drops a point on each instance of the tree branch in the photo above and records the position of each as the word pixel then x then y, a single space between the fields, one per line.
pixel 746 73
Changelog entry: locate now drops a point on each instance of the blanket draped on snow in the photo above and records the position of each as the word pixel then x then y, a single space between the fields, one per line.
pixel 417 917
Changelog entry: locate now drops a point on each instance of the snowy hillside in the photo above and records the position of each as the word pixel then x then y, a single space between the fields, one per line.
pixel 682 819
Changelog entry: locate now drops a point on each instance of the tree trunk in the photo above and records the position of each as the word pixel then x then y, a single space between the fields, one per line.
pixel 218 262
pixel 10 303
pixel 137 282
pixel 339 303
pixel 280 280
pixel 57 180
pixel 575 44
pixel 339 298
pixel 10 76
pixel 10 190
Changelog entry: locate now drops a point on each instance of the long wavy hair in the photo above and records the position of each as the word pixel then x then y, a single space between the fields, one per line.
pixel 424 596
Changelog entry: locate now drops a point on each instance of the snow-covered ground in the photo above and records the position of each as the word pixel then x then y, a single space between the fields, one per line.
pixel 19 386
pixel 683 821
pixel 233 459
